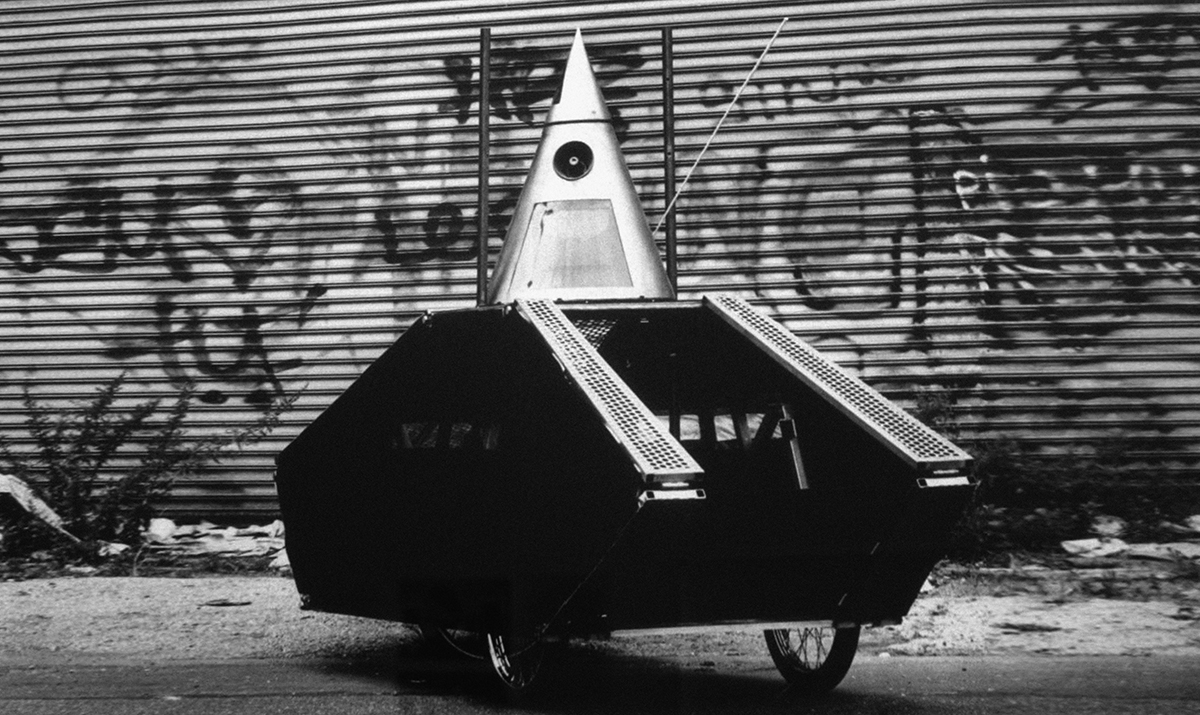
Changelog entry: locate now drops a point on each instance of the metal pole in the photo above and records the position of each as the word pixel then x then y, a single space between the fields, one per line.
pixel 485 63
pixel 674 419
pixel 668 70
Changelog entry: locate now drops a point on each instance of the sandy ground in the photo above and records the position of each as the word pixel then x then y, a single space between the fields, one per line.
pixel 233 617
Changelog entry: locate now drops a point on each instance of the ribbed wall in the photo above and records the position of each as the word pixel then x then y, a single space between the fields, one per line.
pixel 999 198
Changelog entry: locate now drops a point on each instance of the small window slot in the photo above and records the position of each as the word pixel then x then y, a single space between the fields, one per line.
pixel 448 436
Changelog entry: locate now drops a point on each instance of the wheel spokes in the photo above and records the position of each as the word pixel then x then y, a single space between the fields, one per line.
pixel 517 667
pixel 813 660
pixel 810 648
pixel 815 638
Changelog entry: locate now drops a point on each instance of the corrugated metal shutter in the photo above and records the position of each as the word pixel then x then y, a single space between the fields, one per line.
pixel 998 198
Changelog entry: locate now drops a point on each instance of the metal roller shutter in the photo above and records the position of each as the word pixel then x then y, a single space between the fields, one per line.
pixel 998 199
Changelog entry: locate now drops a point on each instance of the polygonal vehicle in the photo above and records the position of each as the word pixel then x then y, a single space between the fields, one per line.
pixel 586 454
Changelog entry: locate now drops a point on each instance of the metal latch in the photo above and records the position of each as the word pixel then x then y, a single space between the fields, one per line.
pixel 954 481
pixel 669 495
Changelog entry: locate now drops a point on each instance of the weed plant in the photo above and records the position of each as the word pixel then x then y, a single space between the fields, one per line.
pixel 106 470
pixel 1030 501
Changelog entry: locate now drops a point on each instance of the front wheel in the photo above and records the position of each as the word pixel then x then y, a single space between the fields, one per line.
pixel 813 660
pixel 517 663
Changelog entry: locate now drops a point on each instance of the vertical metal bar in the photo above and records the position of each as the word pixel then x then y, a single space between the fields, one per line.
pixel 668 70
pixel 485 73
pixel 674 418
pixel 741 428
pixel 787 428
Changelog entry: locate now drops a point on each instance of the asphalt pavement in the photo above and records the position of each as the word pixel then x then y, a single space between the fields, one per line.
pixel 216 645
pixel 598 682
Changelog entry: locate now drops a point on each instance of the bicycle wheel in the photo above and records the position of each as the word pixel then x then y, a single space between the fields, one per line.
pixel 813 660
pixel 446 642
pixel 515 663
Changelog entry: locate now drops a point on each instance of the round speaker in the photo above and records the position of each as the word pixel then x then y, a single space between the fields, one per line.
pixel 573 160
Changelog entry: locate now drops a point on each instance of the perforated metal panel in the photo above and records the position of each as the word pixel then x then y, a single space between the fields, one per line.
pixel 907 437
pixel 595 329
pixel 634 426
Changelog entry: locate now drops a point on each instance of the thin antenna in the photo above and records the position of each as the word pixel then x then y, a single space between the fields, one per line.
pixel 736 96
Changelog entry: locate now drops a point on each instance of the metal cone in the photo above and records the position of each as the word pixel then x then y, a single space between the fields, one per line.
pixel 578 231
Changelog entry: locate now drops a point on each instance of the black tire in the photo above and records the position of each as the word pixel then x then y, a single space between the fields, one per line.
pixel 447 643
pixel 517 664
pixel 813 660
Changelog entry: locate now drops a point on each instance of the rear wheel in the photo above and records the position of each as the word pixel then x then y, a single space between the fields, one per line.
pixel 446 642
pixel 813 660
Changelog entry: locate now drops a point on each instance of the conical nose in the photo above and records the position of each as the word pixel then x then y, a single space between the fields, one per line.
pixel 578 231
pixel 579 98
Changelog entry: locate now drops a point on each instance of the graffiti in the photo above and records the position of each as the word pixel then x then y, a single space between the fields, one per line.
pixel 92 228
pixel 948 216
pixel 442 234
pixel 1043 222
pixel 768 99
pixel 229 218
pixel 1056 244
pixel 238 217
pixel 937 137
pixel 157 77
pixel 875 190
pixel 230 221
pixel 194 331
pixel 1145 59
pixel 523 77
pixel 95 207
pixel 1047 232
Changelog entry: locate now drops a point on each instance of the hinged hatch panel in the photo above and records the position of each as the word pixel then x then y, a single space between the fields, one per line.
pixel 902 433
pixel 655 452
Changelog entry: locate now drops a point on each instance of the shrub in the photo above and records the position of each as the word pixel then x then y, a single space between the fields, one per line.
pixel 1031 500
pixel 72 468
